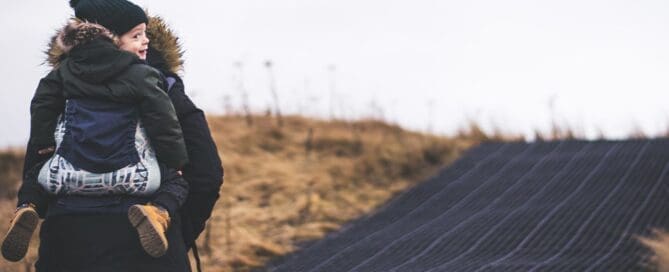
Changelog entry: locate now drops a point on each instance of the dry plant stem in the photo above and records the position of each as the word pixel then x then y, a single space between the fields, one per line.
pixel 245 96
pixel 275 95
pixel 228 226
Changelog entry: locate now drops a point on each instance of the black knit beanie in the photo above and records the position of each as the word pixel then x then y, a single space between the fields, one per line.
pixel 119 16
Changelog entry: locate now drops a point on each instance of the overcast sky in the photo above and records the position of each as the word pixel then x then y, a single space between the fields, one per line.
pixel 421 63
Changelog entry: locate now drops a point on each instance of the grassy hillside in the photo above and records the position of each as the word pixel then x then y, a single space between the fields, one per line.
pixel 292 183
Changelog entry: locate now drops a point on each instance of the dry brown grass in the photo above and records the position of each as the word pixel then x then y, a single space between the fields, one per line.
pixel 11 163
pixel 287 185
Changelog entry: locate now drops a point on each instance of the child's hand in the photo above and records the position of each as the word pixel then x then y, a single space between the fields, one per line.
pixel 179 173
pixel 47 150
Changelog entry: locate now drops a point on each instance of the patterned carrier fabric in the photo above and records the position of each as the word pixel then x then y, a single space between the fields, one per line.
pixel 60 177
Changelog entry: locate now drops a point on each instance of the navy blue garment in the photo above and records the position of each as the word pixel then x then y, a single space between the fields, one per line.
pixel 99 135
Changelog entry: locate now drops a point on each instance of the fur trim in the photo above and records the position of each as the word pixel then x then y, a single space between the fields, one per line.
pixel 166 42
pixel 160 36
pixel 75 32
pixel 54 54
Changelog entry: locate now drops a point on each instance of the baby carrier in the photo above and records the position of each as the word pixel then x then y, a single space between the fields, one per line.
pixel 101 149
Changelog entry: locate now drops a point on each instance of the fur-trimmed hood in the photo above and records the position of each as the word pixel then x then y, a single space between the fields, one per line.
pixel 164 54
pixel 77 32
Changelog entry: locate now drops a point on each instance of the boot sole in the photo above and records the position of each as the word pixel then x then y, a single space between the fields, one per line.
pixel 153 242
pixel 16 243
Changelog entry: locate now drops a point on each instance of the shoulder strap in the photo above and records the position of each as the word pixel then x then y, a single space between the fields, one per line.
pixel 197 257
pixel 170 82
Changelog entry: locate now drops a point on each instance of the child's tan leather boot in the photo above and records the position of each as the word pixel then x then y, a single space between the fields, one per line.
pixel 21 228
pixel 151 223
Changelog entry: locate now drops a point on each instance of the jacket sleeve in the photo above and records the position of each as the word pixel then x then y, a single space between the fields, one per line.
pixel 204 172
pixel 30 191
pixel 47 103
pixel 159 118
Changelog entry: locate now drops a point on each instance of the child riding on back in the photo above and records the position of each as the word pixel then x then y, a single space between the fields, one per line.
pixel 105 125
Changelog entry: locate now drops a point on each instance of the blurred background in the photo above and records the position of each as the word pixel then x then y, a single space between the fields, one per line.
pixel 598 67
pixel 376 96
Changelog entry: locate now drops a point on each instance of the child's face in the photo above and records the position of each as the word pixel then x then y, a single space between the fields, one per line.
pixel 135 41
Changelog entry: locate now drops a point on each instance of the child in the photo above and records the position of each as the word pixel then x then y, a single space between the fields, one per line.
pixel 100 90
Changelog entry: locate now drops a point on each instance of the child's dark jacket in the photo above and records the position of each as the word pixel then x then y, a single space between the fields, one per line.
pixel 109 90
